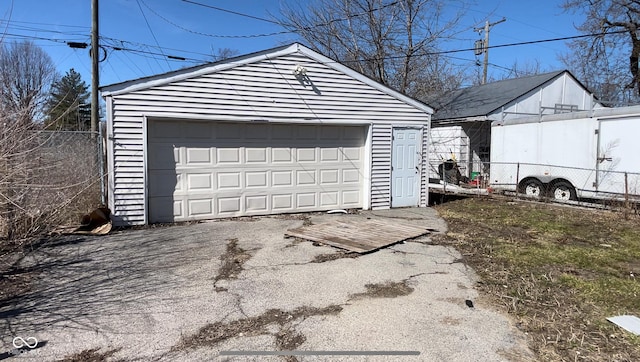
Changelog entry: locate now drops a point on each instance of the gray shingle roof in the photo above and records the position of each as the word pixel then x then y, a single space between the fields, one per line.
pixel 484 99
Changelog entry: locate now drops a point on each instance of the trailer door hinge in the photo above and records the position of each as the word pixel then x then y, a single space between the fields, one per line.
pixel 597 131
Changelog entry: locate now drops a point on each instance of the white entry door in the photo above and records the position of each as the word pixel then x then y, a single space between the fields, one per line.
pixel 405 167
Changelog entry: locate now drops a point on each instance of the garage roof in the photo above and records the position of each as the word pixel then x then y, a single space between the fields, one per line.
pixel 485 99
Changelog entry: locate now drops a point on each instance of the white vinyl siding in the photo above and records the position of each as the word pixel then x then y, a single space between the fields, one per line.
pixel 263 91
pixel 381 166
pixel 424 167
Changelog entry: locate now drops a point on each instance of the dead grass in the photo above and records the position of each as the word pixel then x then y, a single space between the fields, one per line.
pixel 323 258
pixel 92 355
pixel 286 339
pixel 558 271
pixel 232 261
pixel 384 290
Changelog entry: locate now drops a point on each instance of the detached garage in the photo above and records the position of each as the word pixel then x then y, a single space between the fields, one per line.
pixel 280 131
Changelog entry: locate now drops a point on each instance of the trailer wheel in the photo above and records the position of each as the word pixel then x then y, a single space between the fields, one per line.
pixel 531 187
pixel 562 190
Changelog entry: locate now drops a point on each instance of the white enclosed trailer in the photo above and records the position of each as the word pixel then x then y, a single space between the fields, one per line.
pixel 591 154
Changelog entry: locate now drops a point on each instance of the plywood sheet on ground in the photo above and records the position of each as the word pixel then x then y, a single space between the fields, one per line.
pixel 358 235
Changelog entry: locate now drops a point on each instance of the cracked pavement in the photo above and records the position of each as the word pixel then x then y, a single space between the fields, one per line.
pixel 189 292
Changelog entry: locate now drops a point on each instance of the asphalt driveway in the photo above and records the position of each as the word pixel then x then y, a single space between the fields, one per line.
pixel 194 292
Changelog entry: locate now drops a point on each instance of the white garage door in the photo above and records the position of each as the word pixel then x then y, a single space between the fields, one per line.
pixel 202 170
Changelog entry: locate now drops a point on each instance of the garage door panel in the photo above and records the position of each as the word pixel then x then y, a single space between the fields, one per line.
pixel 257 203
pixel 282 178
pixel 351 198
pixel 306 200
pixel 351 153
pixel 199 182
pixel 165 129
pixel 228 155
pixel 256 179
pixel 228 180
pixel 228 131
pixel 200 207
pixel 282 132
pixel 279 155
pixel 306 155
pixel 330 154
pixel 197 156
pixel 282 202
pixel 165 209
pixel 228 205
pixel 256 155
pixel 288 168
pixel 305 177
pixel 165 156
pixel 170 182
pixel 306 132
pixel 329 177
pixel 330 133
pixel 351 176
pixel 198 131
pixel 329 199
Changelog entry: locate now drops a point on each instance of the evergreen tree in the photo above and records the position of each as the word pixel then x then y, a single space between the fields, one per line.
pixel 66 107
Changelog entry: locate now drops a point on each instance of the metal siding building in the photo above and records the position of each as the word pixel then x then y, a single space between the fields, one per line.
pixel 283 130
pixel 471 110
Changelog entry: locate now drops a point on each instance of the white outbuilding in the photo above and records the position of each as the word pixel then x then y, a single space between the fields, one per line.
pixel 279 131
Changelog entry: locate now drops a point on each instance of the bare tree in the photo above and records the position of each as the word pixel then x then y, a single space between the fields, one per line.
pixel 223 53
pixel 42 173
pixel 393 42
pixel 26 74
pixel 608 64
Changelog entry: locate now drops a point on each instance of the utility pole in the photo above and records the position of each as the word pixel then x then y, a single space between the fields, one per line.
pixel 95 76
pixel 485 45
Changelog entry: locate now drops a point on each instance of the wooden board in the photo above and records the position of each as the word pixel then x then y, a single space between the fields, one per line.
pixel 357 235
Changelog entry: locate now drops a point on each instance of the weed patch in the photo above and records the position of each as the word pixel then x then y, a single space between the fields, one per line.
pixel 322 258
pixel 232 261
pixel 558 271
pixel 92 355
pixel 384 290
pixel 214 333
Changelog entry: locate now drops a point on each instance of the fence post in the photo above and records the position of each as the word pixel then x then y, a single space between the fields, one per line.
pixel 626 191
pixel 517 179
pixel 100 150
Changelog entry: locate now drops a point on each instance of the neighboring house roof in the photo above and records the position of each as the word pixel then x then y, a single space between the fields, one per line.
pixel 488 98
pixel 165 78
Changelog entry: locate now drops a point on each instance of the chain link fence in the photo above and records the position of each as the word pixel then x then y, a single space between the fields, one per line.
pixel 47 179
pixel 602 185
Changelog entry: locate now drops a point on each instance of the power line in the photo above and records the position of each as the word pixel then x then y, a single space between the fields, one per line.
pixel 592 35
pixel 232 12
pixel 121 43
pixel 308 28
pixel 443 52
pixel 151 30
pixel 35 23
pixel 213 35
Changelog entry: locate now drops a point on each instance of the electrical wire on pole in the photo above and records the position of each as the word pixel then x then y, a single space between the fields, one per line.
pixel 95 59
pixel 485 45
